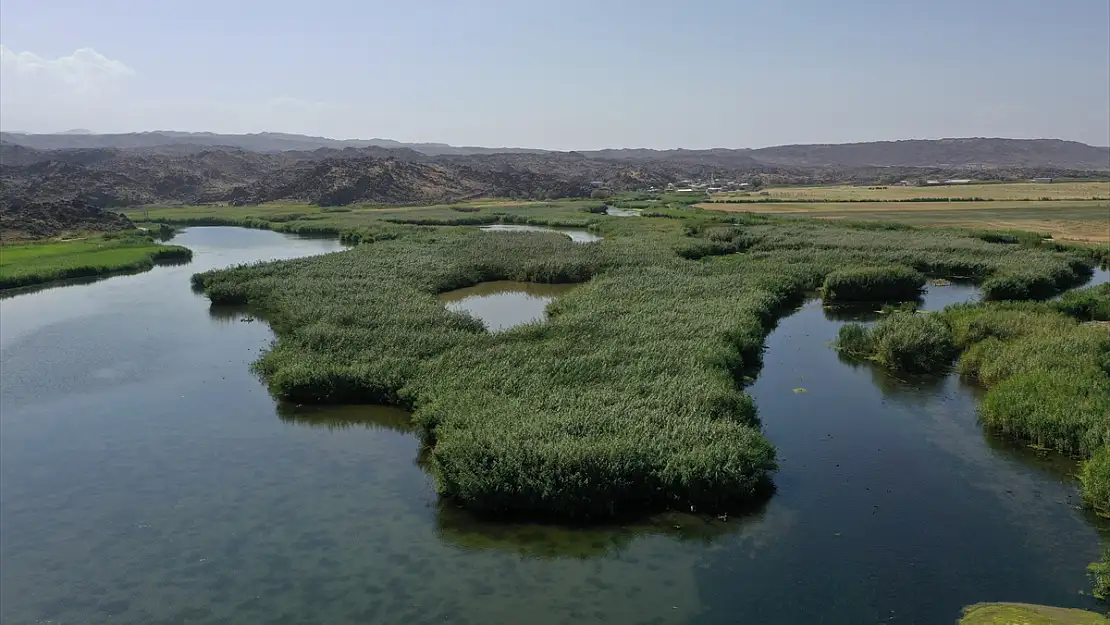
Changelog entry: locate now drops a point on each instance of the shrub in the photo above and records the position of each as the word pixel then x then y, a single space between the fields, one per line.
pixel 902 341
pixel 1035 282
pixel 1091 304
pixel 1095 478
pixel 1100 575
pixel 855 339
pixel 891 282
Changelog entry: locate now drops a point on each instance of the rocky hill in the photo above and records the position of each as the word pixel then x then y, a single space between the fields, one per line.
pixel 109 177
pixel 36 220
pixel 984 153
pixel 115 178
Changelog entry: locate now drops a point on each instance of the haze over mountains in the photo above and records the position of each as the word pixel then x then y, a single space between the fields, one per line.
pixel 106 171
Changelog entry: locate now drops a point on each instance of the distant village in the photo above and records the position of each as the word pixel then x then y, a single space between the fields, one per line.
pixel 713 186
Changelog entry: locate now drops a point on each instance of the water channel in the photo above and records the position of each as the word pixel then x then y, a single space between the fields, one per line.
pixel 146 476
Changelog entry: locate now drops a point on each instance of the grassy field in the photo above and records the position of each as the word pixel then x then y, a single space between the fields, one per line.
pixel 991 191
pixel 307 219
pixel 1079 221
pixel 1074 221
pixel 629 398
pixel 28 264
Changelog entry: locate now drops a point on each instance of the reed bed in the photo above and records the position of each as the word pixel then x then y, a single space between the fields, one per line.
pixel 628 399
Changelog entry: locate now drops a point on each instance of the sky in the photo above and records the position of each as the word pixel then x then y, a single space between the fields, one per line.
pixel 563 74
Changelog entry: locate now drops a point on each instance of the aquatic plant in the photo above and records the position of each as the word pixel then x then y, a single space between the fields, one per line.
pixel 902 341
pixel 888 283
pixel 855 339
pixel 1095 478
pixel 1090 304
pixel 1100 575
pixel 1027 614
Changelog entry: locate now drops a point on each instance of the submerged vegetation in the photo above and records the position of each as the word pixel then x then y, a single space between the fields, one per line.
pixel 27 264
pixel 629 398
pixel 1027 614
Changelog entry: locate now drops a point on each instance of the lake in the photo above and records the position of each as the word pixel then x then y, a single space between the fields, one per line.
pixel 146 476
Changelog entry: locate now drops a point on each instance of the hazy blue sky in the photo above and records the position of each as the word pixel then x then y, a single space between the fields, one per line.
pixel 563 74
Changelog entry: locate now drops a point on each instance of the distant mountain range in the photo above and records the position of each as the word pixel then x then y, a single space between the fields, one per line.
pixel 970 152
pixel 47 179
pixel 258 142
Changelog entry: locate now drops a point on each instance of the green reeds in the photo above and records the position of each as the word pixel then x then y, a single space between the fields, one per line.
pixel 902 341
pixel 1095 478
pixel 1100 575
pixel 887 283
pixel 629 398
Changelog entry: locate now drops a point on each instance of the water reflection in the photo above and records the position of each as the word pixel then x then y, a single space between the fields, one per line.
pixel 578 236
pixel 231 313
pixel 37 288
pixel 550 541
pixel 895 384
pixel 504 304
pixel 346 417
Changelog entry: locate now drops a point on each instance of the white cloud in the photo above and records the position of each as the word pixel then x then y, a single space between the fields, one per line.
pixel 44 94
pixel 85 72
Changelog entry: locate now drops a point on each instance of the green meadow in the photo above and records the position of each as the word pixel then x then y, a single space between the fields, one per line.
pixel 26 264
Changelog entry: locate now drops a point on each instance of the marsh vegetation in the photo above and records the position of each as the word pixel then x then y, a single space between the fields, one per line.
pixel 185 421
pixel 629 397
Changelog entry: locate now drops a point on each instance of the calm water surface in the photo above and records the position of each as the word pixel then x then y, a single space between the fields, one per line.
pixel 503 304
pixel 578 236
pixel 147 477
pixel 622 212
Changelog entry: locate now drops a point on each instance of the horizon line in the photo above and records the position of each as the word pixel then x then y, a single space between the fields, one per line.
pixel 86 133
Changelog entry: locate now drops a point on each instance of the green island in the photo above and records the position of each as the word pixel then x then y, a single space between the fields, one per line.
pixel 39 262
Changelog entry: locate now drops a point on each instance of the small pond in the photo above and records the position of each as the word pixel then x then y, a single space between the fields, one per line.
pixel 622 212
pixel 578 236
pixel 504 304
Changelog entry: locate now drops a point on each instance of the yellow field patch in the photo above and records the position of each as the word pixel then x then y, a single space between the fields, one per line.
pixel 1087 221
pixel 1001 191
